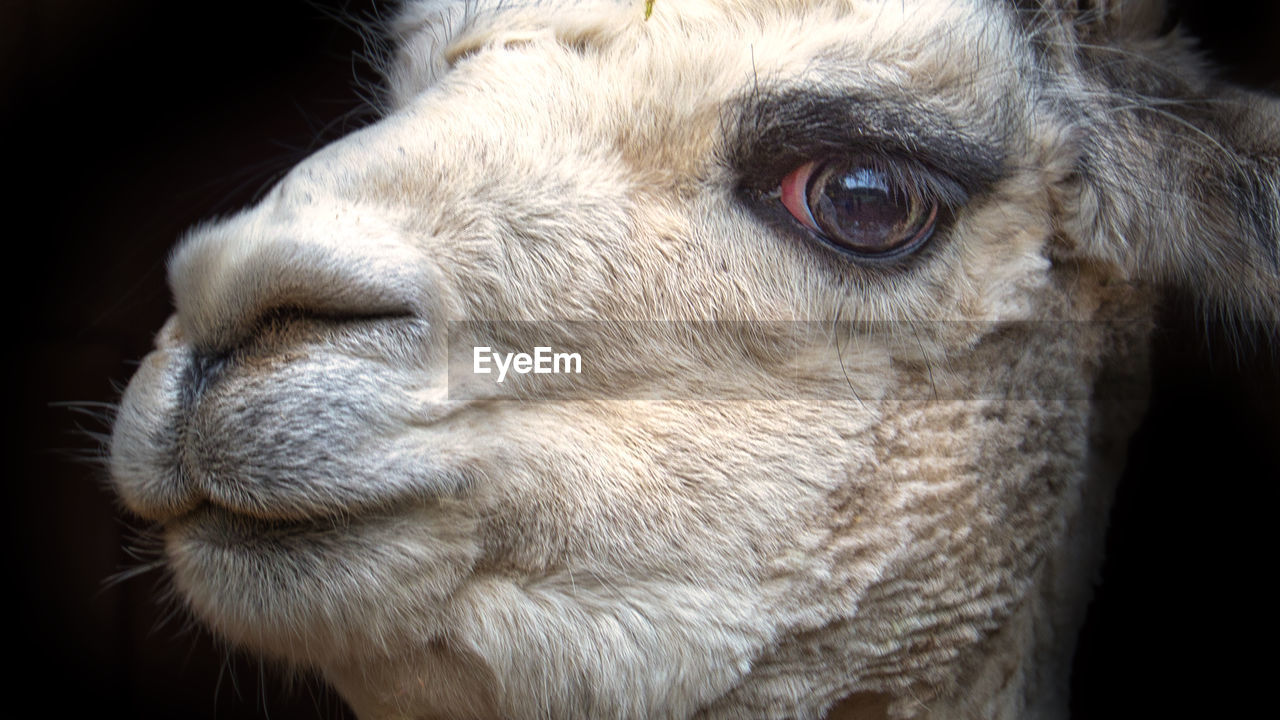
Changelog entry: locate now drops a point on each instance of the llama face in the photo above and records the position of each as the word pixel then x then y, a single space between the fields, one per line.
pixel 812 450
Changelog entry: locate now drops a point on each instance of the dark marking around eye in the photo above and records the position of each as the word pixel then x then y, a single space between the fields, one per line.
pixel 770 133
pixel 939 161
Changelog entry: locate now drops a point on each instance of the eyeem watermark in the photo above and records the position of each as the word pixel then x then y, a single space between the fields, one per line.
pixel 543 361
pixel 563 360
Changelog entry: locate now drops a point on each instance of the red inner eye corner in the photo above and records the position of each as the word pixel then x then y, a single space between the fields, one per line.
pixel 793 189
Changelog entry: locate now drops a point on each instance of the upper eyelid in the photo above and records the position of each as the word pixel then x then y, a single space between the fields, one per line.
pixel 774 132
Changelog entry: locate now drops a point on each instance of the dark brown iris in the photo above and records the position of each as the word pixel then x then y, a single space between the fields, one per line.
pixel 862 208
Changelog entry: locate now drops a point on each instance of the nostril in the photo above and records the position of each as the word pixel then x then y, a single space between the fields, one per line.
pixel 230 278
pixel 273 332
pixel 279 327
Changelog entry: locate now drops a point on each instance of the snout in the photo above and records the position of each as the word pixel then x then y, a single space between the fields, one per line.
pixel 280 431
pixel 288 383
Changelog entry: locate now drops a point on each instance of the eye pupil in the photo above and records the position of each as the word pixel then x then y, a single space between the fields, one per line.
pixel 863 208
pixel 860 206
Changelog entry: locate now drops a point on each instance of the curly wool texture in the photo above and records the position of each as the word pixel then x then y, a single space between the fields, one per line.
pixel 791 482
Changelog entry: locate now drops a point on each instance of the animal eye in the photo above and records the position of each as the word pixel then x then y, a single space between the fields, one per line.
pixel 860 206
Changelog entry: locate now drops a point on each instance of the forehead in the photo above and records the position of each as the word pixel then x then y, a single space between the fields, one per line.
pixel 896 43
pixel 671 81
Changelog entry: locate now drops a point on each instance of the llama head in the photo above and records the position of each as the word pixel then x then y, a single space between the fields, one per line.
pixel 858 295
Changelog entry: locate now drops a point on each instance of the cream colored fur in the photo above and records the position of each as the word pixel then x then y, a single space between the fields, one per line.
pixel 901 506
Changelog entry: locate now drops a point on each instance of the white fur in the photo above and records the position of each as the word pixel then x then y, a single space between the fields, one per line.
pixel 900 506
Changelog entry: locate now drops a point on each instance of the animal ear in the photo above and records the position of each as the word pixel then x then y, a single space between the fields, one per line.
pixel 1178 171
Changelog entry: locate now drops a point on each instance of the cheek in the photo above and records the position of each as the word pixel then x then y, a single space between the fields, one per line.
pixel 651 489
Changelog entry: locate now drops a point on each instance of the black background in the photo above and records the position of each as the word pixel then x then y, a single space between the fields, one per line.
pixel 125 122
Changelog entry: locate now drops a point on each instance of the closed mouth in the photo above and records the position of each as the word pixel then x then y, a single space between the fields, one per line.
pixel 223 526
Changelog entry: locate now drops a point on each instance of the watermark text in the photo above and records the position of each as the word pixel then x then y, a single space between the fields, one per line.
pixel 542 362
